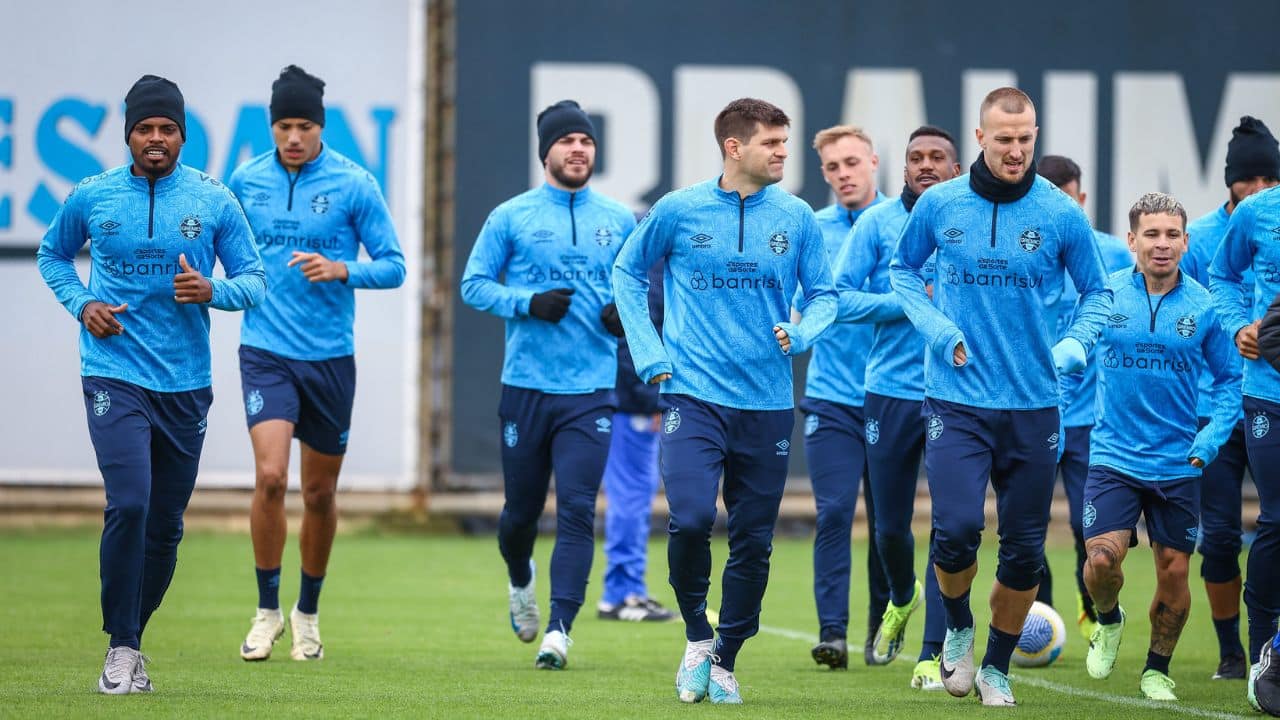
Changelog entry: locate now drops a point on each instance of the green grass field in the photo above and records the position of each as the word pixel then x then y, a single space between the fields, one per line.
pixel 416 626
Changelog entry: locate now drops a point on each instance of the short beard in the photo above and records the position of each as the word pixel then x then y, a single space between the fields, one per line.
pixel 571 183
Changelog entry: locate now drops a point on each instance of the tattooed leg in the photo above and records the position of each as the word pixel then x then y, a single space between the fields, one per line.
pixel 1102 573
pixel 1172 602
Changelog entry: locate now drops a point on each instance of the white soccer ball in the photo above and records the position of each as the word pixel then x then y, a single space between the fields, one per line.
pixel 1043 634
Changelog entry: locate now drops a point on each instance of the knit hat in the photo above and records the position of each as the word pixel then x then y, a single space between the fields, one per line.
pixel 559 120
pixel 154 96
pixel 296 94
pixel 1252 152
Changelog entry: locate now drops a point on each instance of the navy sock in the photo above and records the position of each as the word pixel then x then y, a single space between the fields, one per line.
pixel 727 650
pixel 958 613
pixel 930 650
pixel 309 593
pixel 1228 636
pixel 562 616
pixel 1000 647
pixel 520 574
pixel 1110 617
pixel 1157 662
pixel 1262 626
pixel 129 642
pixel 268 588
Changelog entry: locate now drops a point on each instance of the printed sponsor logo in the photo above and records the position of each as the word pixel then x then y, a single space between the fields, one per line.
pixel 603 425
pixel 109 226
pixel 699 281
pixel 1156 362
pixel 701 241
pixel 954 236
pixel 1117 320
pixel 957 276
pixel 784 447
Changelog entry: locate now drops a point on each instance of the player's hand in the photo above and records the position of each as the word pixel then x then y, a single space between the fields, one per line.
pixel 611 321
pixel 659 378
pixel 189 286
pixel 959 356
pixel 100 319
pixel 1196 462
pixel 551 305
pixel 1247 340
pixel 928 290
pixel 784 340
pixel 318 268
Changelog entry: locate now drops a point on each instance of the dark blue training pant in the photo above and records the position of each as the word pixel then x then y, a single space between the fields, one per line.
pixel 1074 468
pixel 1262 580
pixel 1220 509
pixel 148 447
pixel 702 441
pixel 1018 451
pixel 630 481
pixel 834 443
pixel 569 435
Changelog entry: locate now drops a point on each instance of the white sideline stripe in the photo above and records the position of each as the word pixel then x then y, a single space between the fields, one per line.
pixel 1037 682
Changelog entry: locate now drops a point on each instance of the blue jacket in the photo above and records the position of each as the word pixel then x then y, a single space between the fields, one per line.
pixel 1080 389
pixel 330 206
pixel 137 231
pixel 1252 241
pixel 733 266
pixel 838 366
pixel 1204 237
pixel 998 264
pixel 895 364
pixel 543 239
pixel 1151 354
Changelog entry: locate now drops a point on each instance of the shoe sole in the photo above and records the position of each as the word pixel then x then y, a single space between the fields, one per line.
pixel 549 660
pixel 959 685
pixel 831 658
pixel 251 657
pixel 303 657
pixel 123 688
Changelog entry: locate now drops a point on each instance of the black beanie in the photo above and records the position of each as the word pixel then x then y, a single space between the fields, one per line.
pixel 295 94
pixel 559 120
pixel 1252 152
pixel 154 96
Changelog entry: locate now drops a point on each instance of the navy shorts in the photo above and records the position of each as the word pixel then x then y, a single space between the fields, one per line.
pixel 1113 501
pixel 315 395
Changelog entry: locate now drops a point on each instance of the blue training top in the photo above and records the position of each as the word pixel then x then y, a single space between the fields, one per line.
pixel 1150 356
pixel 542 239
pixel 838 366
pixel 895 365
pixel 1252 241
pixel 733 266
pixel 1204 237
pixel 331 206
pixel 138 229
pixel 997 263
pixel 1080 399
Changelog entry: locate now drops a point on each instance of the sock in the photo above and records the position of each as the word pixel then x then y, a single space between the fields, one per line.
pixel 1262 626
pixel 309 593
pixel 520 575
pixel 268 588
pixel 930 650
pixel 1228 636
pixel 562 616
pixel 829 635
pixel 727 650
pixel 1157 662
pixel 122 641
pixel 958 613
pixel 1000 647
pixel 1109 617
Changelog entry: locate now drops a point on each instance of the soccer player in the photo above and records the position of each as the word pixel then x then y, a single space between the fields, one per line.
pixel 1253 164
pixel 630 481
pixel 1248 243
pixel 555 244
pixel 1264 684
pixel 895 390
pixel 1003 237
pixel 736 248
pixel 156 228
pixel 834 439
pixel 1079 394
pixel 311 210
pixel 1145 457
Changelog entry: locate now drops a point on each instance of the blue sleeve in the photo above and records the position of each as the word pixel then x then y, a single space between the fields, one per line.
pixel 246 282
pixel 1225 367
pixel 854 265
pixel 647 243
pixel 385 267
pixel 915 245
pixel 481 288
pixel 820 299
pixel 1083 261
pixel 1193 266
pixel 56 257
pixel 1226 273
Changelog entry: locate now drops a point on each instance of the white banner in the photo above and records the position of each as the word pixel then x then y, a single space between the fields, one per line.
pixel 68 65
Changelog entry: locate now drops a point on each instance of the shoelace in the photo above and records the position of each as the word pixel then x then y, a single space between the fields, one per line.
pixel 121 660
pixel 953 652
pixel 998 680
pixel 694 657
pixel 726 679
pixel 261 631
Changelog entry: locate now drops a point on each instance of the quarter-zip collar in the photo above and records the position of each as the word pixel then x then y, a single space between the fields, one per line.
pixel 142 183
pixel 308 167
pixel 731 197
pixel 566 197
pixel 1141 281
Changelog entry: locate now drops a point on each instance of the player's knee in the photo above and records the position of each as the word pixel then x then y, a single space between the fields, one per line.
pixel 834 516
pixel 1220 567
pixel 1172 566
pixel 955 546
pixel 128 512
pixel 696 522
pixel 319 498
pixel 272 481
pixel 1101 560
pixel 892 538
pixel 1020 573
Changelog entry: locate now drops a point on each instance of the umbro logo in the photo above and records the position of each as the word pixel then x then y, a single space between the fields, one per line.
pixel 262 197
pixel 109 225
pixel 784 447
pixel 1117 320
pixel 701 240
pixel 1276 230
pixel 543 235
pixel 954 235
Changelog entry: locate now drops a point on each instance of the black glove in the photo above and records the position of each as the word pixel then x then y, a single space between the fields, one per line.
pixel 551 305
pixel 612 323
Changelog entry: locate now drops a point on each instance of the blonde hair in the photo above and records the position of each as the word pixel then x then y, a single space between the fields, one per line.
pixel 1156 203
pixel 1009 99
pixel 825 137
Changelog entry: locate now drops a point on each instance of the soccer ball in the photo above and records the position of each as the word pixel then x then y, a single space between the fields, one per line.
pixel 1043 634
